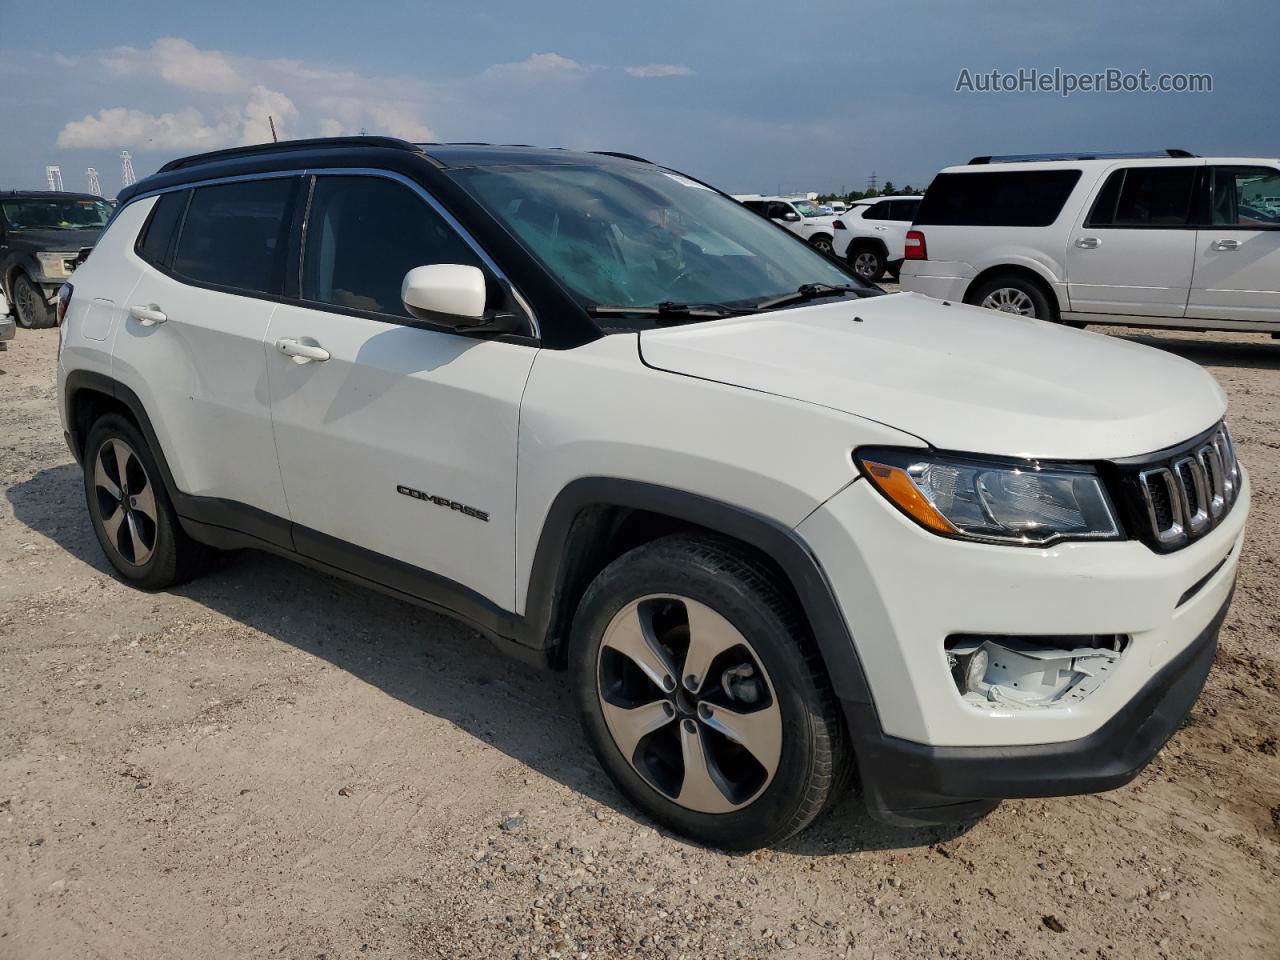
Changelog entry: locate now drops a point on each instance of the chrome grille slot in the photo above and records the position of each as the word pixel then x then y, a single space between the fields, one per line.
pixel 1184 492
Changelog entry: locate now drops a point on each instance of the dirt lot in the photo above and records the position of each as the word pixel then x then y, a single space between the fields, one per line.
pixel 268 762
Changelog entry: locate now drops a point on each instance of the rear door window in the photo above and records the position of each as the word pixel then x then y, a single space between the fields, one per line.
pixel 235 235
pixel 904 210
pixel 1010 198
pixel 1146 197
pixel 1245 197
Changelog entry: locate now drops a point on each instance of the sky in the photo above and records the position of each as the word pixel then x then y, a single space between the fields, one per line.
pixel 751 96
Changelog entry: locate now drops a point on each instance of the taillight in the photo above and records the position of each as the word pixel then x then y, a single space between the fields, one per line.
pixel 837 225
pixel 914 248
pixel 64 301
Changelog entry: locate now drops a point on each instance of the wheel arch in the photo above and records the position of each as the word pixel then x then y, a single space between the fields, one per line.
pixel 1022 271
pixel 596 519
pixel 871 243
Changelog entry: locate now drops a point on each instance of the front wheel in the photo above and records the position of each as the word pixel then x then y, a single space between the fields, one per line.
pixel 702 694
pixel 32 309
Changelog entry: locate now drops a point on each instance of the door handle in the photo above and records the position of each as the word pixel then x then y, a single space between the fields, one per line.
pixel 1225 245
pixel 302 352
pixel 1088 243
pixel 147 314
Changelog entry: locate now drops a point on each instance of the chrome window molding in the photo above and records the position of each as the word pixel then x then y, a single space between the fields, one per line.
pixel 400 178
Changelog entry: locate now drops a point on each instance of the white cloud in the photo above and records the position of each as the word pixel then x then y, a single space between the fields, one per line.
pixel 184 129
pixel 536 65
pixel 660 70
pixel 263 107
pixel 180 63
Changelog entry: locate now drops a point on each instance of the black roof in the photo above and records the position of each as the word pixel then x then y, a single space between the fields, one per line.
pixel 46 195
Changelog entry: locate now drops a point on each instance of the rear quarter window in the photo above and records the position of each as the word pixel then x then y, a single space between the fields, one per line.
pixel 155 242
pixel 1012 198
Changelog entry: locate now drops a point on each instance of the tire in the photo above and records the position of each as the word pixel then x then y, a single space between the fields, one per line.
pixel 30 307
pixel 823 244
pixel 1018 295
pixel 696 595
pixel 867 262
pixel 143 540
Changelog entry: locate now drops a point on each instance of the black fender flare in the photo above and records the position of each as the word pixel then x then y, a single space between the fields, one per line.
pixel 874 243
pixel 554 554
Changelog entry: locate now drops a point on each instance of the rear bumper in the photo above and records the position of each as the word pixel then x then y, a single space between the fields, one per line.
pixel 909 783
pixel 942 280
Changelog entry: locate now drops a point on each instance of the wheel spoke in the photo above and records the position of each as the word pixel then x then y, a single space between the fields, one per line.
pixel 111 526
pixel 709 636
pixel 630 726
pixel 102 479
pixel 145 502
pixel 141 552
pixel 759 732
pixel 630 634
pixel 698 789
pixel 122 462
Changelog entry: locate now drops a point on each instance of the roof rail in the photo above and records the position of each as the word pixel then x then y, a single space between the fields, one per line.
pixel 284 146
pixel 621 156
pixel 1085 155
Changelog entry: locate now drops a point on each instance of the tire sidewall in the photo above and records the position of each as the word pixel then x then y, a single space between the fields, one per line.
pixel 160 569
pixel 665 569
pixel 44 318
pixel 1044 309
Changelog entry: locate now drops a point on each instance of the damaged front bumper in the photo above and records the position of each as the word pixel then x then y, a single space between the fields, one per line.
pixel 911 783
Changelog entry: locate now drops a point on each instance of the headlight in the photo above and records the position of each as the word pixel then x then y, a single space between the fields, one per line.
pixel 54 264
pixel 996 501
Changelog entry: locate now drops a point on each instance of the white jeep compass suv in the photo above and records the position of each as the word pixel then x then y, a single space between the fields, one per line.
pixel 781 529
pixel 1153 240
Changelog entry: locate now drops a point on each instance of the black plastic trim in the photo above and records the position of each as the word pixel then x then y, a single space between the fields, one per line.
pixel 913 783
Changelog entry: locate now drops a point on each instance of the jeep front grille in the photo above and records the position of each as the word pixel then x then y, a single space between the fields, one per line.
pixel 1176 496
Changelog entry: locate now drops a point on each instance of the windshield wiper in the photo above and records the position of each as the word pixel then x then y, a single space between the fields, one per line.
pixel 670 312
pixel 804 293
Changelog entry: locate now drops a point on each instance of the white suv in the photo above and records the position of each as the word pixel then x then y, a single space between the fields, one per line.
pixel 872 235
pixel 781 528
pixel 1168 240
pixel 804 218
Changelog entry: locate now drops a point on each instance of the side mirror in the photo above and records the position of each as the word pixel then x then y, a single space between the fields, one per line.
pixel 450 294
pixel 790 216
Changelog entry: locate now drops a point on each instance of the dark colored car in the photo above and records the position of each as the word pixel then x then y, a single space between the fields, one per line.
pixel 44 236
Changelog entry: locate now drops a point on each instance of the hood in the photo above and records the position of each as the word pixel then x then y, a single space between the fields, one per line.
pixel 52 240
pixel 958 377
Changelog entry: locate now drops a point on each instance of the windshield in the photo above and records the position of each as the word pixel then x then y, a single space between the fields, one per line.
pixel 618 236
pixel 808 209
pixel 60 214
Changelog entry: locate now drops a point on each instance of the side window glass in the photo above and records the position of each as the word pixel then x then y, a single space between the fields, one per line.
pixel 905 210
pixel 1154 197
pixel 879 211
pixel 235 235
pixel 363 235
pixel 156 238
pixel 1246 197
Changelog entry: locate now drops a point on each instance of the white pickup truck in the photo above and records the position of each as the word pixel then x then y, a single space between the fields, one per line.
pixel 804 218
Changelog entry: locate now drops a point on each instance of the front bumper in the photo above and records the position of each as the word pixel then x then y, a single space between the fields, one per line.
pixel 908 783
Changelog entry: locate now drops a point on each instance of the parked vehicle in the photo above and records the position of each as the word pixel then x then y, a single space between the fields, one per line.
pixel 7 323
pixel 43 237
pixel 871 235
pixel 1168 240
pixel 781 529
pixel 804 218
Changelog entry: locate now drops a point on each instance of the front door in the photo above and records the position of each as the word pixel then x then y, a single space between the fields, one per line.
pixel 1134 251
pixel 1237 273
pixel 394 439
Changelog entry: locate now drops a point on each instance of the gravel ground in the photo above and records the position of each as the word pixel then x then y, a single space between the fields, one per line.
pixel 269 762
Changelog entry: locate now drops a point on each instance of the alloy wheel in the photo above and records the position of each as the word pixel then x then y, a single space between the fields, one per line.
pixel 865 265
pixel 823 246
pixel 126 501
pixel 1010 300
pixel 24 302
pixel 689 703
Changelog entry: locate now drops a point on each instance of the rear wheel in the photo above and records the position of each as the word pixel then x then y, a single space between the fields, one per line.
pixel 32 309
pixel 823 244
pixel 702 695
pixel 132 516
pixel 867 262
pixel 1014 294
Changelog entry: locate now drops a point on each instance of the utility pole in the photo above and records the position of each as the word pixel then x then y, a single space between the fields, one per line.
pixel 54 176
pixel 95 185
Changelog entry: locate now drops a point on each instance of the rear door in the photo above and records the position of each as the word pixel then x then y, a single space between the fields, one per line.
pixel 191 343
pixel 1133 250
pixel 402 441
pixel 1237 265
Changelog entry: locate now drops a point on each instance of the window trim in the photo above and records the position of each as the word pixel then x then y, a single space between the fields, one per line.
pixel 1194 207
pixel 309 174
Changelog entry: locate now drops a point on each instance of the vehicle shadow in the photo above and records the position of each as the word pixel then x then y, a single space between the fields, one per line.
pixel 1220 353
pixel 427 661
